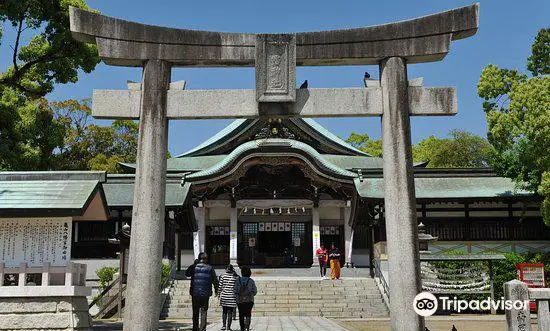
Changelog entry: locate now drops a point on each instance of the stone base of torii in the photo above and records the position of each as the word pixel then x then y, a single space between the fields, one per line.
pixel 275 57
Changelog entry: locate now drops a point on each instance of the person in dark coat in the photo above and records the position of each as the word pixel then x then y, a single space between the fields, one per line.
pixel 203 276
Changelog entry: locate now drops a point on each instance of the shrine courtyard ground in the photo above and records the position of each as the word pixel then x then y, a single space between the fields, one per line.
pixel 295 323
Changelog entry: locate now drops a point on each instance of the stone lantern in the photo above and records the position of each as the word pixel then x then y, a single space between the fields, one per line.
pixel 424 239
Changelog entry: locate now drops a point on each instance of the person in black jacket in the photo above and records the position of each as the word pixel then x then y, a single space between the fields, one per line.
pixel 203 276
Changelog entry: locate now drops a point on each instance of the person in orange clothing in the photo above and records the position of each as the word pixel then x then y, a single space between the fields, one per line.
pixel 322 256
pixel 334 256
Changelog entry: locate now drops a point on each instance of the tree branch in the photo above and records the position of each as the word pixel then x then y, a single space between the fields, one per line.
pixel 13 79
pixel 16 48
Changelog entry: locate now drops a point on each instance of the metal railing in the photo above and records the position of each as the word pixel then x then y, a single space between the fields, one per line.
pixel 95 301
pixel 379 275
pixel 110 301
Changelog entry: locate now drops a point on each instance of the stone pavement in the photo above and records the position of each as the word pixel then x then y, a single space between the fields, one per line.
pixel 278 323
pixel 286 323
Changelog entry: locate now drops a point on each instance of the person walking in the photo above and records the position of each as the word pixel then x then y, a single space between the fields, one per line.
pixel 334 256
pixel 245 289
pixel 322 256
pixel 203 277
pixel 228 298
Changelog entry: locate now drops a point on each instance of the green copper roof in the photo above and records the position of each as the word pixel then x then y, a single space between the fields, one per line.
pixel 271 146
pixel 321 130
pixel 447 187
pixel 47 193
pixel 198 163
pixel 240 127
pixel 121 194
pixel 224 135
pixel 350 162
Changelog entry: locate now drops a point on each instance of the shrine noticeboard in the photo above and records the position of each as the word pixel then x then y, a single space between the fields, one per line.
pixel 35 241
pixel 532 274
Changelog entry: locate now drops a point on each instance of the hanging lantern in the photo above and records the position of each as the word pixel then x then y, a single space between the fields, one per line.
pixel 245 209
pixel 254 211
pixel 288 211
pixel 303 209
pixel 271 211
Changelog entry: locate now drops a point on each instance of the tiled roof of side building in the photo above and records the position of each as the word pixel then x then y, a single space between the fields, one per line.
pixel 50 193
pixel 448 187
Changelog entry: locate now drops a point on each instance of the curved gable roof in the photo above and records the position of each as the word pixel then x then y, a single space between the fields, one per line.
pixel 214 145
pixel 273 146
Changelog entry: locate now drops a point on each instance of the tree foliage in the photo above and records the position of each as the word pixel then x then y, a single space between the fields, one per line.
pixel 517 108
pixel 365 144
pixel 87 145
pixel 461 150
pixel 39 135
pixel 51 55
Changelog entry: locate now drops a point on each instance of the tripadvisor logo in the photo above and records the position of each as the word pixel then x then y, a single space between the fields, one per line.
pixel 426 304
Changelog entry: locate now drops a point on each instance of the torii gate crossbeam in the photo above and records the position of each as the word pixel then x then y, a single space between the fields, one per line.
pixel 275 57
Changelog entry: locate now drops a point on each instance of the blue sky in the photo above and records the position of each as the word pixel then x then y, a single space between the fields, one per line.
pixel 507 30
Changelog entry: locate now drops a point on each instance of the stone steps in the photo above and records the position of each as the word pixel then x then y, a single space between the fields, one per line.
pixel 345 298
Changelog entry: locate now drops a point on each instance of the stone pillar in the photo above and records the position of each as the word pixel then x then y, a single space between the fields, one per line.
pixel 316 233
pixel 348 236
pixel 543 315
pixel 233 236
pixel 199 235
pixel 399 200
pixel 517 319
pixel 143 300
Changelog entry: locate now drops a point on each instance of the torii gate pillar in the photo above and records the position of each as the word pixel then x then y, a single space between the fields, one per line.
pixel 399 196
pixel 148 213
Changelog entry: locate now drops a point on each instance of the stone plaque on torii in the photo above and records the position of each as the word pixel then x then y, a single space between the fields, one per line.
pixel 275 56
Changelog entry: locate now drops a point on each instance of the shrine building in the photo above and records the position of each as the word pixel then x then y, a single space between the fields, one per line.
pixel 267 192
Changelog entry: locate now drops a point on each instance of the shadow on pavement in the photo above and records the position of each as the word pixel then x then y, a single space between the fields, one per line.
pixel 108 325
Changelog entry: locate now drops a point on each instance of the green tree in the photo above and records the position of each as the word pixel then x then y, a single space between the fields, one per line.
pixel 517 108
pixel 365 144
pixel 87 145
pixel 43 54
pixel 51 55
pixel 461 150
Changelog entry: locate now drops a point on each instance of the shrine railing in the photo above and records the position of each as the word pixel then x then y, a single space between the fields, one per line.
pixel 23 280
pixel 519 318
pixel 381 280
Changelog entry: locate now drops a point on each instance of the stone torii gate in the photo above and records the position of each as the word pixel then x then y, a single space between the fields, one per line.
pixel 275 57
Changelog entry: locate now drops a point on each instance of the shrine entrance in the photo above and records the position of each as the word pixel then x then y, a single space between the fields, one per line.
pixel 275 244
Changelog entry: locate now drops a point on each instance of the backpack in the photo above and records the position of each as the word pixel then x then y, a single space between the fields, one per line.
pixel 244 292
